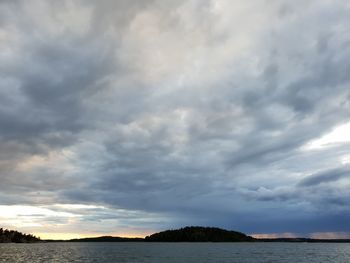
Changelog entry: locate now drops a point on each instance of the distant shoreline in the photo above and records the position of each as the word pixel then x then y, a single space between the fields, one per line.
pixel 195 234
pixel 192 234
pixel 142 240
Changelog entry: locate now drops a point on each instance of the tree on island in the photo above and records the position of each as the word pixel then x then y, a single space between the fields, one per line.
pixel 12 236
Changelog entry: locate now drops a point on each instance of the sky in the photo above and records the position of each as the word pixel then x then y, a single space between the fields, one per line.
pixel 126 117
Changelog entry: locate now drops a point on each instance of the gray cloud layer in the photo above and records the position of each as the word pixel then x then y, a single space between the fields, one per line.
pixel 189 112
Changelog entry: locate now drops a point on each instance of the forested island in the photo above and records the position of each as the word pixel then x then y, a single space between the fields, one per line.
pixel 199 234
pixel 12 236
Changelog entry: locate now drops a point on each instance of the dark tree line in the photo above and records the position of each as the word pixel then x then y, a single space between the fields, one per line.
pixel 199 234
pixel 12 236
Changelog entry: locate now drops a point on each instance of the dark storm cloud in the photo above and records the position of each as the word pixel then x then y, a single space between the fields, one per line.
pixel 325 177
pixel 176 111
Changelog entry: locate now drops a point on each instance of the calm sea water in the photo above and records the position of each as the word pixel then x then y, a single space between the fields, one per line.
pixel 175 252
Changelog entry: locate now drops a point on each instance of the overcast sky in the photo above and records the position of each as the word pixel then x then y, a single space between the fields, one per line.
pixel 128 117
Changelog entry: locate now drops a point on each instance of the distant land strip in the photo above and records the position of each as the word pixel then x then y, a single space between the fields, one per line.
pixel 186 234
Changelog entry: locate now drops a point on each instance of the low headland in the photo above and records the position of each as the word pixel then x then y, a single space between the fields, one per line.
pixel 12 236
pixel 186 234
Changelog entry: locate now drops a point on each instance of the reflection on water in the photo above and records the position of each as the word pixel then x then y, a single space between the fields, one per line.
pixel 175 252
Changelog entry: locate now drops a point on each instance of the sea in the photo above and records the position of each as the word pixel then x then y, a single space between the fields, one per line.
pixel 175 252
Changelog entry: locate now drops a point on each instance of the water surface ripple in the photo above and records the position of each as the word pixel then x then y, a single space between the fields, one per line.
pixel 175 252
